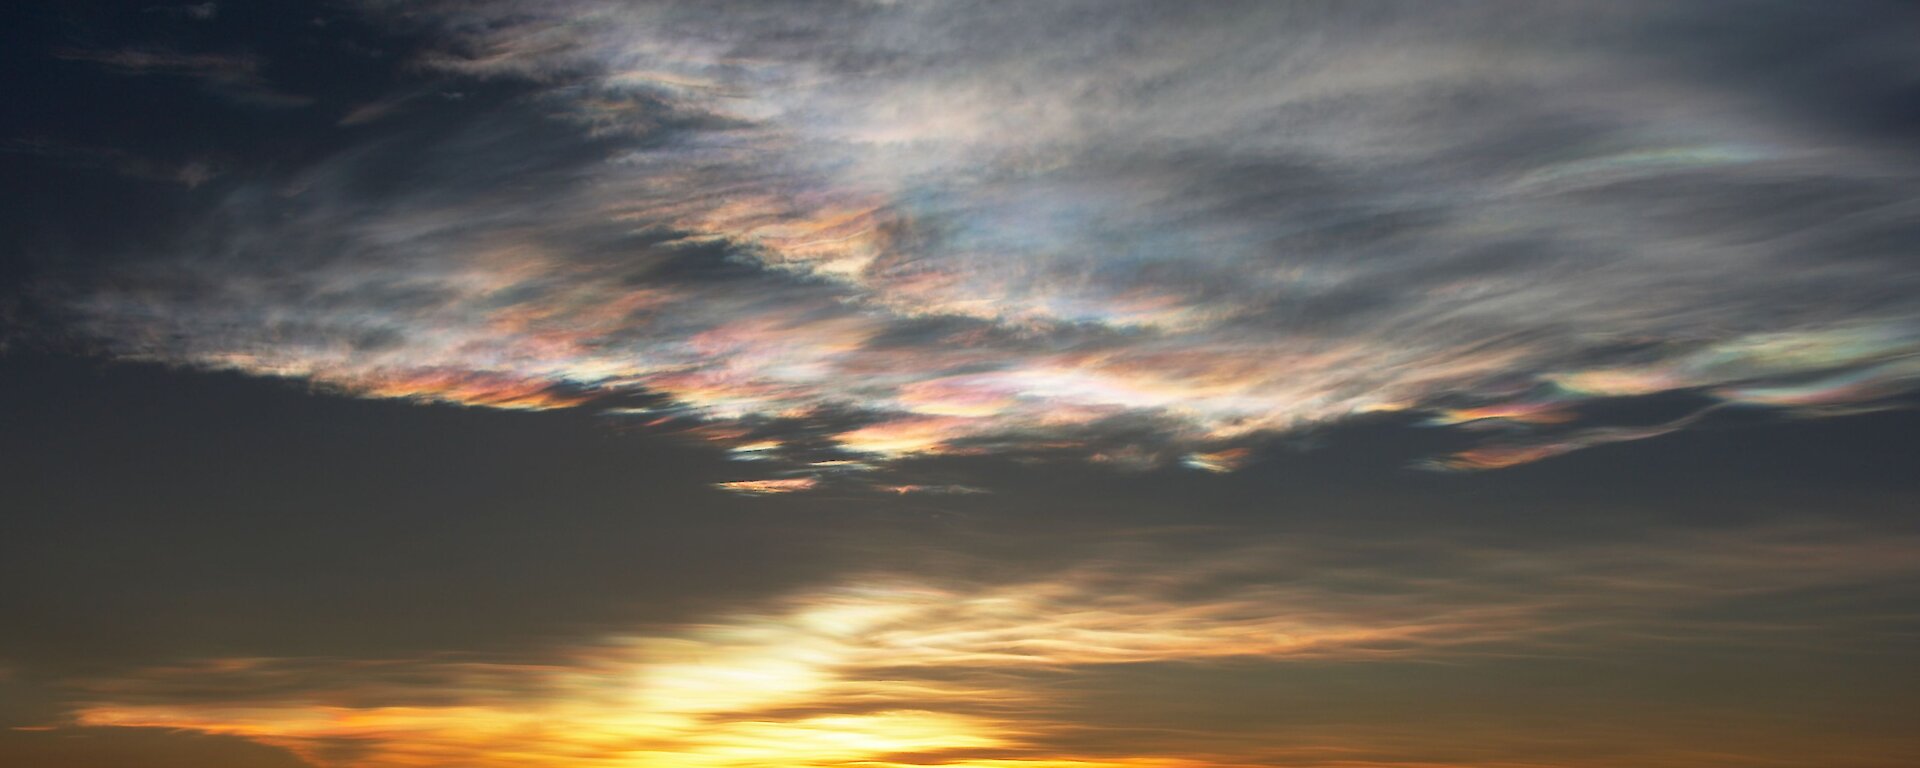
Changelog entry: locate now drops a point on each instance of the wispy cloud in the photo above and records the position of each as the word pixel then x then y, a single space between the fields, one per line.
pixel 235 76
pixel 927 230
pixel 913 670
pixel 191 173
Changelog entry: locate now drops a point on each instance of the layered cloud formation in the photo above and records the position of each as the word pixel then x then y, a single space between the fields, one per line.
pixel 835 236
pixel 917 670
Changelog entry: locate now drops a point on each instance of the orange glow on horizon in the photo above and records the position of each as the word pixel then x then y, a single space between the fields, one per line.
pixel 869 675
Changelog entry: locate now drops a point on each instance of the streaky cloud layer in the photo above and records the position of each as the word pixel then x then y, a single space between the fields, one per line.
pixel 894 669
pixel 860 232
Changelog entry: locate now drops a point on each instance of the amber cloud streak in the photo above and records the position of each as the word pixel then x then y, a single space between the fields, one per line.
pixel 872 674
pixel 890 669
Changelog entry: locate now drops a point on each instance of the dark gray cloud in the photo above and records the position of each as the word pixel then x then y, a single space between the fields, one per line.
pixel 237 77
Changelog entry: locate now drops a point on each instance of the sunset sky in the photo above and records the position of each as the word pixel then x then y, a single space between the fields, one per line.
pixel 921 383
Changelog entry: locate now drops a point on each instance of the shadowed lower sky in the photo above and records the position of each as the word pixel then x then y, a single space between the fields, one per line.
pixel 983 385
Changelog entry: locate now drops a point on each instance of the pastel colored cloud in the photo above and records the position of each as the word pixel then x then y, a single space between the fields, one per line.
pixel 914 230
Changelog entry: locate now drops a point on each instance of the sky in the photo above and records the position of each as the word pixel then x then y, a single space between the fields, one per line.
pixel 914 383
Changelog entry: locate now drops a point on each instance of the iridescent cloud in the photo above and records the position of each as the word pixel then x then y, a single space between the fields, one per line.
pixel 911 230
pixel 768 487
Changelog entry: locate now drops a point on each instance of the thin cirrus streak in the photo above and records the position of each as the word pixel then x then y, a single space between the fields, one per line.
pixel 894 670
pixel 911 230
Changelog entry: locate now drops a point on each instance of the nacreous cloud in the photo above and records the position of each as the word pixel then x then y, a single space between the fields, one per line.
pixel 842 234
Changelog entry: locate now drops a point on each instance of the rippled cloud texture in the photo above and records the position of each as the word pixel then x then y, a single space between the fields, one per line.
pixel 831 236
